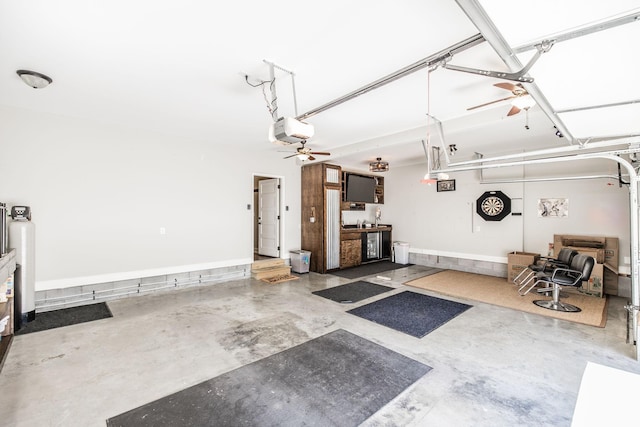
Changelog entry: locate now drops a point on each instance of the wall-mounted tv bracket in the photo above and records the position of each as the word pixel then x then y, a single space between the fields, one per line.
pixel 519 76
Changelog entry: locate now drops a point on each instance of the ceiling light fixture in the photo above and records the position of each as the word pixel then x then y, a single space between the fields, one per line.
pixel 378 165
pixel 34 79
pixel 523 102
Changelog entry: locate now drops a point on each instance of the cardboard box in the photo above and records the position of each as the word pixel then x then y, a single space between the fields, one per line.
pixel 603 281
pixel 612 253
pixel 518 261
pixel 610 281
pixel 597 254
pixel 595 285
pixel 582 241
pixel 607 247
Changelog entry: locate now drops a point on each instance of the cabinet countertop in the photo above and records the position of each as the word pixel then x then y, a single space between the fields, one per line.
pixel 365 229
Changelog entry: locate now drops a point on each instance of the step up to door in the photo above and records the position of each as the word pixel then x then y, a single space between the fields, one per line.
pixel 264 273
pixel 267 263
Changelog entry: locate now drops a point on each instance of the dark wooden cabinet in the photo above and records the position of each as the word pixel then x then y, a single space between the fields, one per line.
pixel 350 249
pixel 331 246
pixel 321 195
pixel 379 190
pixel 386 244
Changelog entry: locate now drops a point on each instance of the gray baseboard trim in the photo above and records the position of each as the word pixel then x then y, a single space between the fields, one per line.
pixel 54 299
pixel 489 268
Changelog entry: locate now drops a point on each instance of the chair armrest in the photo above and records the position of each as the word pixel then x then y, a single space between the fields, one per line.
pixel 568 272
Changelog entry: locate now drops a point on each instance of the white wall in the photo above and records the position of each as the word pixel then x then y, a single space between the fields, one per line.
pixel 446 223
pixel 100 194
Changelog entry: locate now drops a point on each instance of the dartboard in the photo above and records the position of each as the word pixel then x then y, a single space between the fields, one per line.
pixel 493 206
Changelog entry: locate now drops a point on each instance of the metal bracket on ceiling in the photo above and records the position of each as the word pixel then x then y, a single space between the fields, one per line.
pixel 519 76
pixel 272 67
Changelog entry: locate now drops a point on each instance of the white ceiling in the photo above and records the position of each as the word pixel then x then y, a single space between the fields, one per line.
pixel 178 67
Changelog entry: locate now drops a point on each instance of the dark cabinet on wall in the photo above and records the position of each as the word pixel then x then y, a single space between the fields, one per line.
pixel 321 196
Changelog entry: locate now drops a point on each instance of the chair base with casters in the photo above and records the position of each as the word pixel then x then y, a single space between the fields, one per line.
pixel 578 272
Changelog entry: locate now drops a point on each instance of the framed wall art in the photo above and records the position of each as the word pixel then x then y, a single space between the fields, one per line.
pixel 446 185
pixel 553 208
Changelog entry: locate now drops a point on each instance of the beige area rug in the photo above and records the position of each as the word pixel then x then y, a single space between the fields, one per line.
pixel 497 291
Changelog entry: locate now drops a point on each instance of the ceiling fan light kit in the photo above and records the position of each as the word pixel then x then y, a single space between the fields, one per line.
pixel 378 165
pixel 34 79
pixel 304 153
pixel 523 102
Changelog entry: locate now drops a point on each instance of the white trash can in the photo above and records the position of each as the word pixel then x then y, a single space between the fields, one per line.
pixel 401 252
pixel 300 261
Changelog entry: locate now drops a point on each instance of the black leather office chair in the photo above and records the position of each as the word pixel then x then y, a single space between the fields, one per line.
pixel 579 271
pixel 565 256
pixel 528 277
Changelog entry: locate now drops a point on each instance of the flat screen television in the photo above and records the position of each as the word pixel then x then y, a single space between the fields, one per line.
pixel 360 188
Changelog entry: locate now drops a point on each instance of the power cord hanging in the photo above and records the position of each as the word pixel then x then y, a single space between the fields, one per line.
pixel 272 105
pixel 272 111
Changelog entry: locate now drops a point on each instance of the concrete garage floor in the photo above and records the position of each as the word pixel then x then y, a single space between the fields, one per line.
pixel 491 366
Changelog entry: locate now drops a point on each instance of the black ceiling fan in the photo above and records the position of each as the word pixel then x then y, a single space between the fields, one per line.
pixel 305 153
pixel 517 91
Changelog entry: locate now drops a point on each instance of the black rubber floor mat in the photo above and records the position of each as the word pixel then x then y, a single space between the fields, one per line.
pixel 368 269
pixel 353 292
pixel 338 379
pixel 410 312
pixel 66 317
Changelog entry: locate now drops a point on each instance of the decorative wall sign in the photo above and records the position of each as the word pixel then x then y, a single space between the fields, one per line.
pixel 446 185
pixel 493 206
pixel 553 208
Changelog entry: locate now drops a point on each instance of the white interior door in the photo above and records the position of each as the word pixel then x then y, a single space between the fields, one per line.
pixel 269 217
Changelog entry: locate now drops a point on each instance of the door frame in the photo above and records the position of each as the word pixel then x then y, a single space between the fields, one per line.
pixel 258 176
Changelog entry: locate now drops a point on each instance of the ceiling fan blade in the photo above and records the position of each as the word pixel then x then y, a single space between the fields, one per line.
pixel 509 86
pixel 320 153
pixel 513 110
pixel 311 158
pixel 288 157
pixel 492 102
